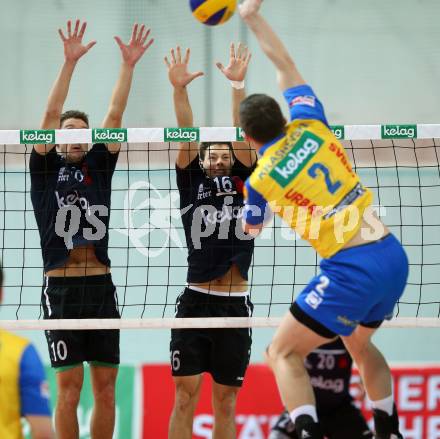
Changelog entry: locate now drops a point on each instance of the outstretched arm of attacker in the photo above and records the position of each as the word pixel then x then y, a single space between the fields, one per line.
pixel 235 71
pixel 287 74
pixel 131 54
pixel 180 77
pixel 73 51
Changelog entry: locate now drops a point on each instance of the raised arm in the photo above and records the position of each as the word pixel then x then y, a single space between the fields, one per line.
pixel 287 74
pixel 180 77
pixel 73 51
pixel 131 54
pixel 235 71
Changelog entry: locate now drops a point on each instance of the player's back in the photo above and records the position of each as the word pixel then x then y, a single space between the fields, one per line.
pixel 307 179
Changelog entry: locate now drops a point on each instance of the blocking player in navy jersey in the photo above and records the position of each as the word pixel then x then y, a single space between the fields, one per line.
pixel 210 179
pixel 305 174
pixel 329 368
pixel 23 387
pixel 71 191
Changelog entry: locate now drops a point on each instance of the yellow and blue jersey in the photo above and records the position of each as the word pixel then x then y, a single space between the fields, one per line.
pixel 307 179
pixel 23 387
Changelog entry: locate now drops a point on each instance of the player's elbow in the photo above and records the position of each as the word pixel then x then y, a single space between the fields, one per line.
pixel 51 118
pixel 252 229
pixel 113 118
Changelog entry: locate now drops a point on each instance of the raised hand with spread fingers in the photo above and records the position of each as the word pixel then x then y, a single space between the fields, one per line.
pixel 74 48
pixel 235 71
pixel 178 73
pixel 137 46
pixel 131 54
pixel 238 63
pixel 180 77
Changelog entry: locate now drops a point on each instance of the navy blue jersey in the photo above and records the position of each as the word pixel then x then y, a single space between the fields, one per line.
pixel 329 368
pixel 212 209
pixel 60 190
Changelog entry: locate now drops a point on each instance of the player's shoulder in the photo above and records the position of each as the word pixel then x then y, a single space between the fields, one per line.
pixel 13 343
pixel 11 337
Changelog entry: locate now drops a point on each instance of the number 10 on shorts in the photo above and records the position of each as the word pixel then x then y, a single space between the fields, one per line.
pixel 59 350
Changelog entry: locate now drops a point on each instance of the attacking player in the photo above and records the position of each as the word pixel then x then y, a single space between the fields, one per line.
pixel 210 179
pixel 305 175
pixel 71 191
pixel 329 368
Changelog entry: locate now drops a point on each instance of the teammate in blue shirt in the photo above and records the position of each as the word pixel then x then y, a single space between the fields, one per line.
pixel 23 388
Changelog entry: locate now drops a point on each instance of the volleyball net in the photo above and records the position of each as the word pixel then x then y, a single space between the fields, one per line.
pixel 399 163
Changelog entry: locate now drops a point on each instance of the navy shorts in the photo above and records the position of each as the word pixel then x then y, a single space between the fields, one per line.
pixel 358 285
pixel 89 297
pixel 223 352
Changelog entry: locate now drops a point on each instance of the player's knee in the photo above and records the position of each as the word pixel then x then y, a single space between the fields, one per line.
pixel 69 394
pixel 224 404
pixel 357 348
pixel 105 394
pixel 185 399
pixel 275 353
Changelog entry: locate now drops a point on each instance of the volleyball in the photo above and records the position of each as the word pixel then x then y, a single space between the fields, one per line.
pixel 213 12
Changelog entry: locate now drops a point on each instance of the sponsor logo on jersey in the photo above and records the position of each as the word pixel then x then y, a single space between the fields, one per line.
pixel 219 216
pixel 303 100
pixel 63 175
pixel 65 172
pixel 399 131
pixel 348 200
pixel 319 382
pixel 338 131
pixel 37 136
pixel 181 134
pixel 295 160
pixel 202 194
pixel 107 135
pixel 72 199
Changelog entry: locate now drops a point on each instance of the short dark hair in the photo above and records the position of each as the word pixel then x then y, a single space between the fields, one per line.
pixel 74 114
pixel 261 118
pixel 206 145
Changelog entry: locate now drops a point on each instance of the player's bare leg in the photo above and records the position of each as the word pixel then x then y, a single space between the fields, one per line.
pixel 224 399
pixel 376 376
pixel 185 401
pixel 69 384
pixel 292 342
pixel 103 416
pixel 373 368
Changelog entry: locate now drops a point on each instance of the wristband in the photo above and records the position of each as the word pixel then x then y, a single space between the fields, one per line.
pixel 238 85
